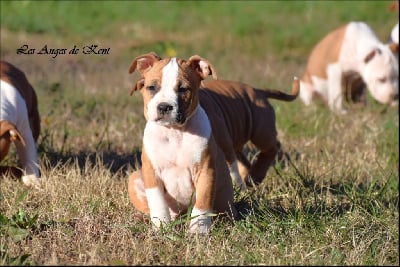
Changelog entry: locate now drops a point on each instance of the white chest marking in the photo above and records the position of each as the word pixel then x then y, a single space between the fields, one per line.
pixel 174 153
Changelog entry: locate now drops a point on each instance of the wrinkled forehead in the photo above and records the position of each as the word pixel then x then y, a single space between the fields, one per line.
pixel 388 70
pixel 169 71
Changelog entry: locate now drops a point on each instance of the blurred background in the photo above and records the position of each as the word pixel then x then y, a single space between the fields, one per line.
pixel 84 99
pixel 332 200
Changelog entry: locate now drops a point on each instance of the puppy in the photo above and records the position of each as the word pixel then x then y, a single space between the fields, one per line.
pixel 181 162
pixel 19 121
pixel 239 113
pixel 352 48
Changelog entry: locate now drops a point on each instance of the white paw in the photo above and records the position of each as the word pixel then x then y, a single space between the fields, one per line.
pixel 31 181
pixel 158 222
pixel 201 222
pixel 200 225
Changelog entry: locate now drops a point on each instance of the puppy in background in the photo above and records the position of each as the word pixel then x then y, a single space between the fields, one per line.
pixel 351 49
pixel 394 36
pixel 19 123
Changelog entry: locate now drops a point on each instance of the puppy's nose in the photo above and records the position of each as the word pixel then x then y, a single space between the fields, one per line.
pixel 164 107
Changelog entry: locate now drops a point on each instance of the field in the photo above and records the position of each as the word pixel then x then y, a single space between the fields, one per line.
pixel 333 201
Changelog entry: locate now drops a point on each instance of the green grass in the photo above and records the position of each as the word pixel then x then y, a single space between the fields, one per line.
pixel 254 21
pixel 334 202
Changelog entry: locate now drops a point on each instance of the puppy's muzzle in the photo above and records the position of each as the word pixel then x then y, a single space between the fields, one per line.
pixel 164 108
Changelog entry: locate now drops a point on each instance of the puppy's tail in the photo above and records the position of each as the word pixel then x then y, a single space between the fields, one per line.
pixel 9 132
pixel 279 95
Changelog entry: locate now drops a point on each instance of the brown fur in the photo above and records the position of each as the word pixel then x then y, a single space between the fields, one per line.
pixel 239 113
pixel 138 203
pixel 212 183
pixel 354 87
pixel 325 52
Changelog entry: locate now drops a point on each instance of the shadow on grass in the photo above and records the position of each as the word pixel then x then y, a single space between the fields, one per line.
pixel 111 160
pixel 303 195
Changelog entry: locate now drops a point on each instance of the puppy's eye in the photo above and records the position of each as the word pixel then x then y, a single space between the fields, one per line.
pixel 382 80
pixel 151 88
pixel 183 89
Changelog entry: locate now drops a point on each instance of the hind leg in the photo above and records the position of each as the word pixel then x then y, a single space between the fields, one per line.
pixel 137 193
pixel 4 146
pixel 307 92
pixel 244 168
pixel 264 137
pixel 264 160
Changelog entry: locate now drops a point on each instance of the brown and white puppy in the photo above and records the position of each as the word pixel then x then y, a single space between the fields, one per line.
pixel 353 47
pixel 19 121
pixel 239 113
pixel 181 162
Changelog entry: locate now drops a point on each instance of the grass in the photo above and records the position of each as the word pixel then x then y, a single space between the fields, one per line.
pixel 334 201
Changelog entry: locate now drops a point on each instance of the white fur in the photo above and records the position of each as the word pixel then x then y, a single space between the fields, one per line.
pixel 306 92
pixel 31 181
pixel 380 73
pixel 395 34
pixel 200 222
pixel 166 94
pixel 159 211
pixel 318 84
pixel 321 86
pixel 359 41
pixel 335 97
pixel 13 109
pixel 174 153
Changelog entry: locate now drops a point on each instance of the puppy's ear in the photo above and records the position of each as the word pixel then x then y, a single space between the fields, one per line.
pixel 202 67
pixel 138 85
pixel 144 62
pixel 394 48
pixel 370 56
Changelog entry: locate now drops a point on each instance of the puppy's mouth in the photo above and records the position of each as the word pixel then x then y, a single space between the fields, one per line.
pixel 180 118
pixel 170 115
pixel 171 121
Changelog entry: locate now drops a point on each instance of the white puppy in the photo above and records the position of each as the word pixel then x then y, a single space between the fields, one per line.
pixel 19 120
pixel 353 47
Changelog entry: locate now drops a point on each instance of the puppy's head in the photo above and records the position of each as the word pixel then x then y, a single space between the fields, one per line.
pixel 170 86
pixel 381 74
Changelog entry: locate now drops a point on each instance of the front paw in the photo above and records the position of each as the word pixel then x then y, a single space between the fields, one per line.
pixel 31 181
pixel 201 222
pixel 160 220
pixel 242 187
